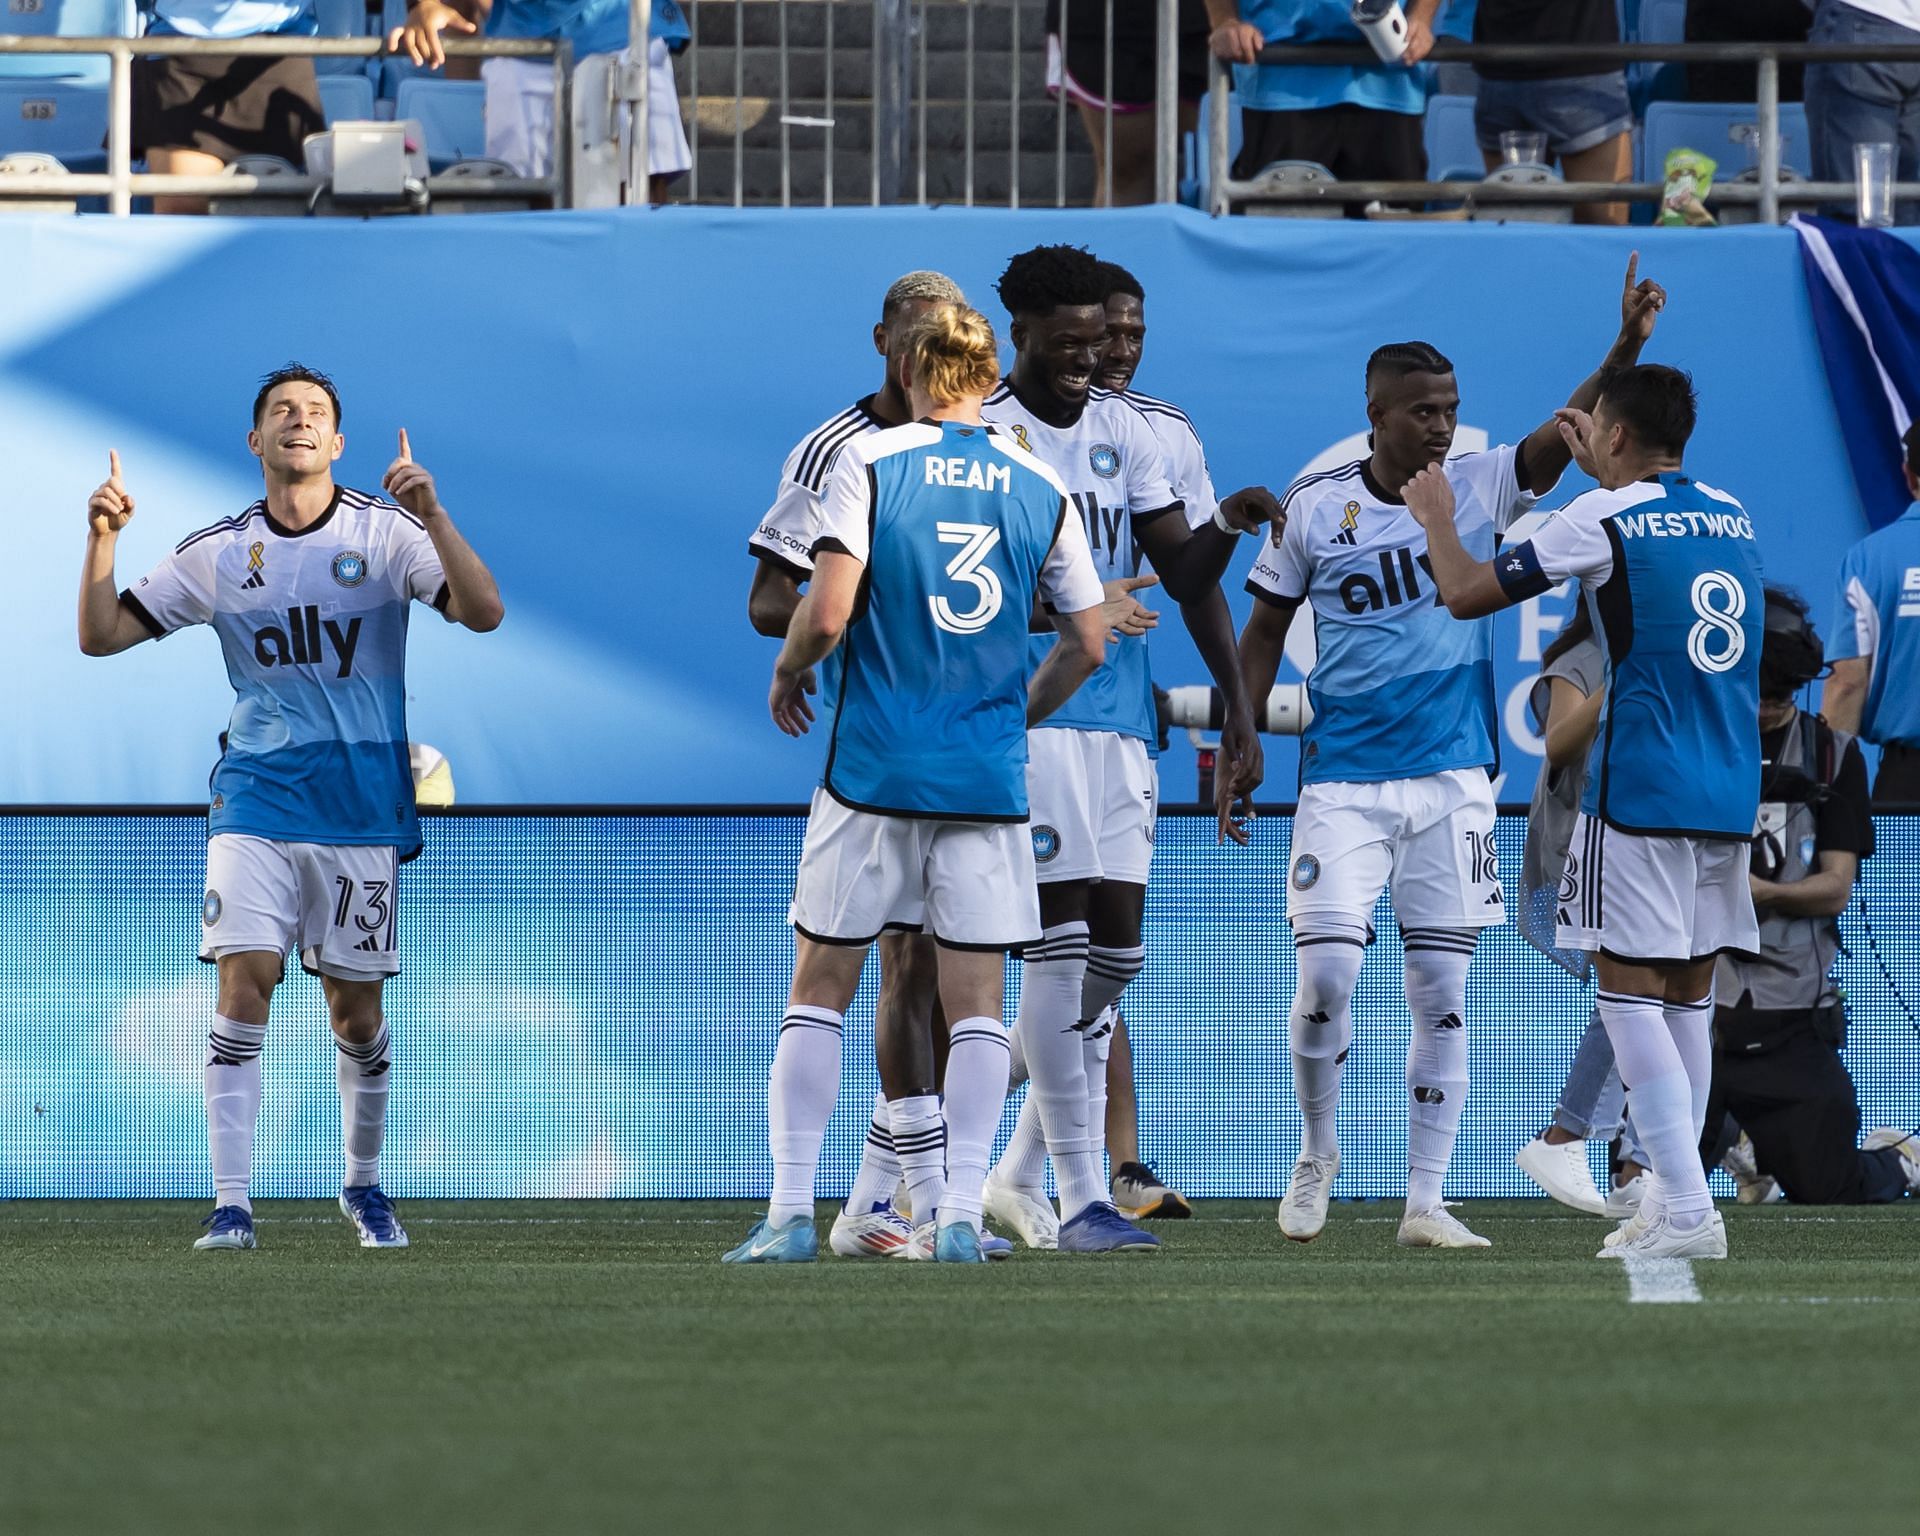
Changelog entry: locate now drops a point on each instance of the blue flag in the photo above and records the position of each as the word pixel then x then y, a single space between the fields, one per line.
pixel 1864 285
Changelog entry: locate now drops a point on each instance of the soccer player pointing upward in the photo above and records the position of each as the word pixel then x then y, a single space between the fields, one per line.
pixel 312 809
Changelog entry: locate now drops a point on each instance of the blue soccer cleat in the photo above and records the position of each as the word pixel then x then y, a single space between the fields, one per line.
pixel 372 1215
pixel 230 1226
pixel 995 1247
pixel 958 1243
pixel 1102 1229
pixel 795 1243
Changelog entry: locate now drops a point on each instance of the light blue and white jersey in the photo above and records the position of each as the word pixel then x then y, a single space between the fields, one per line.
pixel 1672 574
pixel 313 624
pixel 1400 688
pixel 1182 455
pixel 1111 465
pixel 233 18
pixel 592 26
pixel 1878 617
pixel 959 532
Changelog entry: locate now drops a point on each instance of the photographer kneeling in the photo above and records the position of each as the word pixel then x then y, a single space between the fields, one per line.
pixel 1780 1022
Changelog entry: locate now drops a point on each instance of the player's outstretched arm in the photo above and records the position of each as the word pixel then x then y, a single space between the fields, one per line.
pixel 1467 586
pixel 473 597
pixel 1641 301
pixel 1191 561
pixel 106 626
pixel 1082 648
pixel 1242 765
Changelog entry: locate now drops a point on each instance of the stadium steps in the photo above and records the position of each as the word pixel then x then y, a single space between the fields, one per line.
pixel 714 105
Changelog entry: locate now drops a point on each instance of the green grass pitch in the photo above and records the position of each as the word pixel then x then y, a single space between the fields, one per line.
pixel 585 1367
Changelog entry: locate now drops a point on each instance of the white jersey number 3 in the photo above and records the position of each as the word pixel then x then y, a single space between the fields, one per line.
pixel 977 541
pixel 1717 642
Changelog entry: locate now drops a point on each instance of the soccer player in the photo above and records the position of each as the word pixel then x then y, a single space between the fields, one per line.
pixel 937 540
pixel 867 1225
pixel 1090 775
pixel 312 810
pixel 1138 1192
pixel 1396 766
pixel 1657 880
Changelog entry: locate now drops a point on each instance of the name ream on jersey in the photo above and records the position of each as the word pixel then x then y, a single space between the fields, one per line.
pixel 1680 525
pixel 970 475
pixel 301 643
pixel 1399 583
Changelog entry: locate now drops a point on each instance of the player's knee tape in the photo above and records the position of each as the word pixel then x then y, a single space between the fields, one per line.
pixel 1109 973
pixel 1328 951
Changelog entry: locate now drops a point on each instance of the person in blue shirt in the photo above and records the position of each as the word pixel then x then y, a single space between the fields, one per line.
pixel 519 102
pixel 937 541
pixel 1874 691
pixel 195 116
pixel 312 807
pixel 1656 884
pixel 1362 122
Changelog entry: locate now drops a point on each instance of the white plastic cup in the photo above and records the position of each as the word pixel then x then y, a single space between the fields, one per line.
pixel 1873 184
pixel 1523 146
pixel 1384 25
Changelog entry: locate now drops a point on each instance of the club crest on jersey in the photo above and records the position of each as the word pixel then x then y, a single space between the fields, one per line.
pixel 210 908
pixel 1046 844
pixel 1104 459
pixel 1349 524
pixel 1306 872
pixel 349 567
pixel 256 568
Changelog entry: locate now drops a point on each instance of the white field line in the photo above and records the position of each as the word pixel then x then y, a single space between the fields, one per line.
pixel 1660 1280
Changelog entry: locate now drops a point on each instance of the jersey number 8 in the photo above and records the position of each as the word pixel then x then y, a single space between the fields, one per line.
pixel 977 541
pixel 1717 642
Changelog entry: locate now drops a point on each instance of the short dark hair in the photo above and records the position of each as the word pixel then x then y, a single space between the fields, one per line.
pixel 1399 358
pixel 1791 655
pixel 295 373
pixel 1911 442
pixel 1655 403
pixel 1051 277
pixel 1117 279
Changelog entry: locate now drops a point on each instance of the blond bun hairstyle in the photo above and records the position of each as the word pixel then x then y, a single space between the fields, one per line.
pixel 952 354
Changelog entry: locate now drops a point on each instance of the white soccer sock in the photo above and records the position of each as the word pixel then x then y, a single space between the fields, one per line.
pixel 1691 1025
pixel 1109 973
pixel 1436 982
pixel 232 1084
pixel 879 1171
pixel 1320 1030
pixel 1049 1033
pixel 1096 1047
pixel 1661 1097
pixel 976 1094
pixel 920 1142
pixel 801 1090
pixel 1024 1163
pixel 365 1075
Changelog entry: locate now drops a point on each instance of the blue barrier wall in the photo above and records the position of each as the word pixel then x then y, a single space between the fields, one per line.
pixel 590 1005
pixel 606 399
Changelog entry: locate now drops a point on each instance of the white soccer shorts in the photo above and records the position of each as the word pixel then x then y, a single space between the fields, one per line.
pixel 519 114
pixel 967 883
pixel 1431 838
pixel 1095 795
pixel 336 906
pixel 1655 900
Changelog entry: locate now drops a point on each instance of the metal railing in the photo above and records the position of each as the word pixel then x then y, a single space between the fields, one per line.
pixel 1768 193
pixel 928 140
pixel 120 184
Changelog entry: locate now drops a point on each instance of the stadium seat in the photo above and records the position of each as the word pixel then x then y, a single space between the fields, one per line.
pixel 452 115
pixel 1524 213
pixel 63 118
pixel 346 97
pixel 63 18
pixel 1659 21
pixel 1195 186
pixel 1450 138
pixel 1280 174
pixel 1708 126
pixel 344 18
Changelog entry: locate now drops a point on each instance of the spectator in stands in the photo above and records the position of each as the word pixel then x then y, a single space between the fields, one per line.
pixel 1581 107
pixel 1080 69
pixel 1362 122
pixel 1779 1021
pixel 195 116
pixel 1867 103
pixel 1875 688
pixel 1744 21
pixel 519 102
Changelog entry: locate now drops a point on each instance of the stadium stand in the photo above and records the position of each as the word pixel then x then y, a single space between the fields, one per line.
pixel 63 18
pixel 63 118
pixel 451 113
pixel 1710 127
pixel 346 98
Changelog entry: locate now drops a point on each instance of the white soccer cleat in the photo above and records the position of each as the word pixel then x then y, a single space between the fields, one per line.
pixel 1660 1239
pixel 1906 1143
pixel 1437 1228
pixel 920 1245
pixel 1624 1201
pixel 1614 1245
pixel 880 1233
pixel 1562 1172
pixel 1032 1219
pixel 1303 1211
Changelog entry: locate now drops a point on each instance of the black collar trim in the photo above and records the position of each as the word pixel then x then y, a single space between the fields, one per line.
pixel 313 527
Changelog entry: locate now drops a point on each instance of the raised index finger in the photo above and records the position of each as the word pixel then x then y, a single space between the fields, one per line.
pixel 113 459
pixel 406 453
pixel 1633 267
